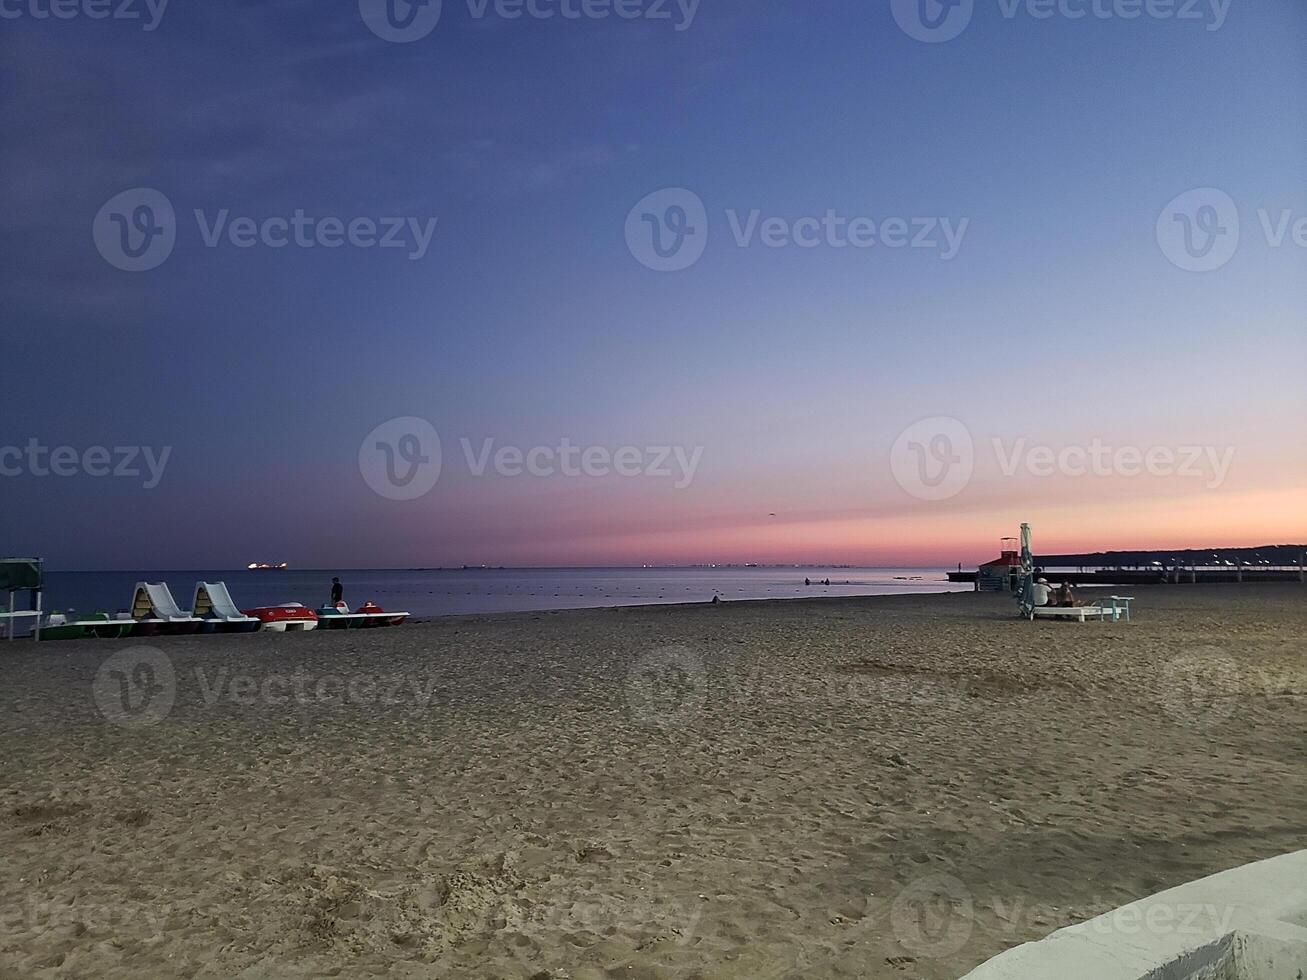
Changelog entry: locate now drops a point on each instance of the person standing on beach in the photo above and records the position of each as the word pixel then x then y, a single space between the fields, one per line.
pixel 337 591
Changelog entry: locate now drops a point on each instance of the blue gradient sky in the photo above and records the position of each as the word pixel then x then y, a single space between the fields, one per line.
pixel 529 321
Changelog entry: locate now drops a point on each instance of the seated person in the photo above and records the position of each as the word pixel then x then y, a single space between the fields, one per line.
pixel 1043 592
pixel 1065 597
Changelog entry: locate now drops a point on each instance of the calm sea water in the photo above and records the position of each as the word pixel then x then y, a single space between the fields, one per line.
pixel 447 593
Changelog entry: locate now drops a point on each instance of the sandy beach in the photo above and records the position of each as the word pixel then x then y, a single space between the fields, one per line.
pixel 878 787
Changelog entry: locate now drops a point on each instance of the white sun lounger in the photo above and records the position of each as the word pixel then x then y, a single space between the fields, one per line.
pixel 214 603
pixel 1079 613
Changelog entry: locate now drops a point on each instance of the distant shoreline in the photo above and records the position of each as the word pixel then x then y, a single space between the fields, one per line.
pixel 336 569
pixel 828 600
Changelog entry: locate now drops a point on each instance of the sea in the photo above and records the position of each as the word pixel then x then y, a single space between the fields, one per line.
pixel 427 593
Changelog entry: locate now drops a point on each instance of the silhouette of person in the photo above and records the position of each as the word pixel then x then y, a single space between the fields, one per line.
pixel 337 591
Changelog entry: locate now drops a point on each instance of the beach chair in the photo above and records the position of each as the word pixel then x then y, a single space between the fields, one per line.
pixel 1078 613
pixel 1121 606
pixel 213 604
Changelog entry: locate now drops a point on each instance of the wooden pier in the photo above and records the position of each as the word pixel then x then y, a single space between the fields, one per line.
pixel 1159 576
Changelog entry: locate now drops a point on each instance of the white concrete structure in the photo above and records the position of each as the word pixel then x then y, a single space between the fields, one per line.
pixel 1246 924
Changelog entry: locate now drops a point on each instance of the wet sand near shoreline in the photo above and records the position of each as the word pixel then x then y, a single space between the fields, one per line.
pixel 875 787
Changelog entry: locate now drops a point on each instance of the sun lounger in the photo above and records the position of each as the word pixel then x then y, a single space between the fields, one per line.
pixel 1115 607
pixel 1079 613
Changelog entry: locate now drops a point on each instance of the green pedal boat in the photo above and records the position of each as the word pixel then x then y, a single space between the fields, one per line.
pixel 99 626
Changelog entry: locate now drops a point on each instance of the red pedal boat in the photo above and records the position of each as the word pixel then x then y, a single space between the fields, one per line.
pixel 379 617
pixel 291 616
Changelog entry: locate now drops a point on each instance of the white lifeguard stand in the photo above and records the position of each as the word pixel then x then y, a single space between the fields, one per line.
pixel 22 575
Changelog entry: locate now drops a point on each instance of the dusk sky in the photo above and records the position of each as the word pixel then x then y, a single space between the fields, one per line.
pixel 818 400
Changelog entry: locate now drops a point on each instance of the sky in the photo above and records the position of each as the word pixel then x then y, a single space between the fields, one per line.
pixel 863 282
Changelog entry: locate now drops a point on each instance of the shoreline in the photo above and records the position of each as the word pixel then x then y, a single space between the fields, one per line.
pixel 429 595
pixel 836 599
pixel 887 598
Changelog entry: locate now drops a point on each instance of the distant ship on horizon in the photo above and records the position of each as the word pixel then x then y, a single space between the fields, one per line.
pixel 259 566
